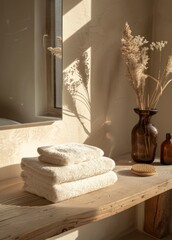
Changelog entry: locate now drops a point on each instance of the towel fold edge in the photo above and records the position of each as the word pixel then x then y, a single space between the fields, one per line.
pixel 66 191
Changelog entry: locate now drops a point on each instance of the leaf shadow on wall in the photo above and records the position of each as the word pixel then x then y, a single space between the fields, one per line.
pixel 78 102
pixel 76 80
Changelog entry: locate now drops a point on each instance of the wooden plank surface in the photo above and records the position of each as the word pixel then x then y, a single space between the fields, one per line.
pixel 157 215
pixel 26 216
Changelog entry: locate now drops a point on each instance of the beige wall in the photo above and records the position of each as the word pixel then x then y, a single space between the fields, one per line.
pixel 162 31
pixel 94 27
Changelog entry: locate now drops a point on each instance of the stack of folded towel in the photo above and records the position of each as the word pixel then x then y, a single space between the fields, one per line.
pixel 68 170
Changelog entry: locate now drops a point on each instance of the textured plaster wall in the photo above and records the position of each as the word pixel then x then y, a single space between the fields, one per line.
pixel 84 116
pixel 162 31
pixel 100 114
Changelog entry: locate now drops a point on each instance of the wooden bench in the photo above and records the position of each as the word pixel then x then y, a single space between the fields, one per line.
pixel 26 216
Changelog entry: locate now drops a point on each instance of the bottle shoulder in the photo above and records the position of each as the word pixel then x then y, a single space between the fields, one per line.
pixel 167 142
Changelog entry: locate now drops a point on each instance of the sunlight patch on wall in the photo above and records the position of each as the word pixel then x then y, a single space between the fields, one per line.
pixel 80 15
pixel 76 76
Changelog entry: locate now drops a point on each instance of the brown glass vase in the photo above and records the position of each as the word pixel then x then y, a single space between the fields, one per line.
pixel 144 137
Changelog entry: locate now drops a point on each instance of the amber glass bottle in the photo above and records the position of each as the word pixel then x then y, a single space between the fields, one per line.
pixel 166 150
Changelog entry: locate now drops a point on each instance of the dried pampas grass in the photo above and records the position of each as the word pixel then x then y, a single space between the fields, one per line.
pixel 135 51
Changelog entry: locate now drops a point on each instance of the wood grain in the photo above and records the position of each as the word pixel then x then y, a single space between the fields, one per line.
pixel 157 215
pixel 26 216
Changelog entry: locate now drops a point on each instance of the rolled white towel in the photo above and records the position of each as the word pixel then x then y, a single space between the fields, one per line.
pixel 60 192
pixel 59 174
pixel 69 153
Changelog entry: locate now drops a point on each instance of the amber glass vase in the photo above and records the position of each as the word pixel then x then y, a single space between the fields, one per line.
pixel 144 137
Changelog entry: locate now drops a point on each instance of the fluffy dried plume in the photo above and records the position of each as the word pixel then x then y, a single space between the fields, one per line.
pixel 135 53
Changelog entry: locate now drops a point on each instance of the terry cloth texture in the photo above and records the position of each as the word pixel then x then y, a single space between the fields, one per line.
pixel 60 192
pixel 59 174
pixel 70 153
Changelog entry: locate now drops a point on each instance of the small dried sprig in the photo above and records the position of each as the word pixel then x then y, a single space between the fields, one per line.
pixel 157 45
pixel 57 51
pixel 135 54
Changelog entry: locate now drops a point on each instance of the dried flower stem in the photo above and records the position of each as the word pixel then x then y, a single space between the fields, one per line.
pixel 136 57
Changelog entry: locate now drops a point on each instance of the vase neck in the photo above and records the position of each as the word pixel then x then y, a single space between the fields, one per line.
pixel 145 115
pixel 145 119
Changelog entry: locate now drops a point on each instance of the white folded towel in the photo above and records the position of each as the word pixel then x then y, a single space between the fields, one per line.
pixel 60 192
pixel 70 153
pixel 59 174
